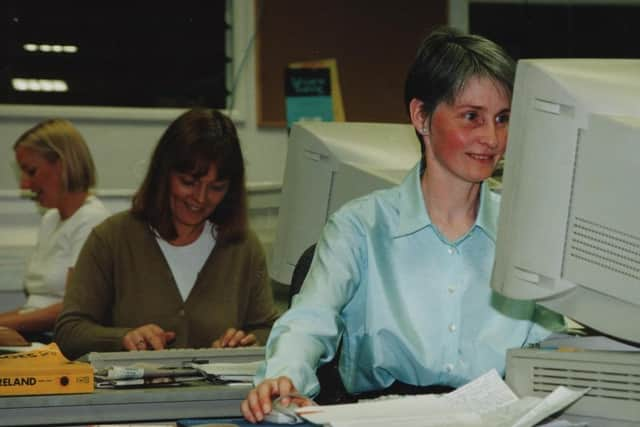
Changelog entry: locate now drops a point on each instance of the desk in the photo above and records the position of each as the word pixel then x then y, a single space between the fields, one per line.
pixel 125 405
pixel 240 422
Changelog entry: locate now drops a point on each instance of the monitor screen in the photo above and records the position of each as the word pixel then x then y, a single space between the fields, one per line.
pixel 569 228
pixel 328 164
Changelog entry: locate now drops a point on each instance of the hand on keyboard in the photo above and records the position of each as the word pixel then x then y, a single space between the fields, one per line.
pixel 147 337
pixel 234 338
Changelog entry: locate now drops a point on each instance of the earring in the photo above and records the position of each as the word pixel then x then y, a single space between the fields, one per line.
pixel 424 131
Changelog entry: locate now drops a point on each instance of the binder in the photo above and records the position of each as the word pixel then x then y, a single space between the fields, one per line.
pixel 43 371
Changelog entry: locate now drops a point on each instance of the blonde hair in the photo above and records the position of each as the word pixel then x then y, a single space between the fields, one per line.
pixel 58 139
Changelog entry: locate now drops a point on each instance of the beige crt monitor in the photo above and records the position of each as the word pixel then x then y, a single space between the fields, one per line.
pixel 328 164
pixel 569 228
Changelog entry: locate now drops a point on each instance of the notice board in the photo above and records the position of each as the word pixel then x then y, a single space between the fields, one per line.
pixel 373 42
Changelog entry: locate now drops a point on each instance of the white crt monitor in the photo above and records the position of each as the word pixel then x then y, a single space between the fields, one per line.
pixel 569 229
pixel 328 164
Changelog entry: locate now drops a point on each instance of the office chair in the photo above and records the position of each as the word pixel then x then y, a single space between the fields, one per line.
pixel 300 271
pixel 332 390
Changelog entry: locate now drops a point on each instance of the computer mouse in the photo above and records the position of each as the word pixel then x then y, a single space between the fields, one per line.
pixel 281 414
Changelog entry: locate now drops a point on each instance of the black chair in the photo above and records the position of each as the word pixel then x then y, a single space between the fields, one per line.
pixel 300 271
pixel 332 390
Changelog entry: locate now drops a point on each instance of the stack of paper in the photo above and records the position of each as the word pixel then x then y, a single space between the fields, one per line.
pixel 229 372
pixel 487 401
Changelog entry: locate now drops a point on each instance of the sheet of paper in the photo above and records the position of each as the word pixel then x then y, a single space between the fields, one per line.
pixel 486 401
pixel 483 394
pixel 558 399
pixel 451 420
pixel 508 415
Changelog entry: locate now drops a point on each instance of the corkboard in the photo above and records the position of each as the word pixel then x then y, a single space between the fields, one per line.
pixel 373 42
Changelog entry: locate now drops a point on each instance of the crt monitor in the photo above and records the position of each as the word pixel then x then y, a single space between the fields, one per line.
pixel 569 227
pixel 328 164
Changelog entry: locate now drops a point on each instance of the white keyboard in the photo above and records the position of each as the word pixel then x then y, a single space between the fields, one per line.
pixel 174 357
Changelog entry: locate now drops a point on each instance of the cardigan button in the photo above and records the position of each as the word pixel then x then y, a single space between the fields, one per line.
pixel 181 312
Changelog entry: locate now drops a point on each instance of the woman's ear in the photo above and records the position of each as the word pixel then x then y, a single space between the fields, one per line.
pixel 419 119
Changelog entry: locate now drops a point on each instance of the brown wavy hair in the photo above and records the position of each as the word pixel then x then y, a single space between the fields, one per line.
pixel 191 144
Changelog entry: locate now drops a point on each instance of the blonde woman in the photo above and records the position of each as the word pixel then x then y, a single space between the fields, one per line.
pixel 57 168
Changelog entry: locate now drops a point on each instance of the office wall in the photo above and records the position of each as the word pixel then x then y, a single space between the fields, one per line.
pixel 372 42
pixel 121 140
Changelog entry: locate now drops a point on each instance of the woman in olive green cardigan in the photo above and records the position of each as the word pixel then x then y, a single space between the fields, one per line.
pixel 180 268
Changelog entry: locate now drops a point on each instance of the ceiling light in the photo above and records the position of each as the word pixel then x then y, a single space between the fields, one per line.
pixel 55 48
pixel 39 85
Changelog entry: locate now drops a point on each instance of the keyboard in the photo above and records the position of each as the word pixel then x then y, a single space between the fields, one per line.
pixel 177 357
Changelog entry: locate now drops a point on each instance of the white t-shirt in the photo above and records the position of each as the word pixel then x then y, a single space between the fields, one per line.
pixel 57 248
pixel 186 261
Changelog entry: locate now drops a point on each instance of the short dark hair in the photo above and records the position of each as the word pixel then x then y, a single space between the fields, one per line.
pixel 445 61
pixel 191 144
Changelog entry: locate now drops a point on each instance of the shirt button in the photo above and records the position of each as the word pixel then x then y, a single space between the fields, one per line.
pixel 451 289
pixel 452 327
pixel 448 367
pixel 451 251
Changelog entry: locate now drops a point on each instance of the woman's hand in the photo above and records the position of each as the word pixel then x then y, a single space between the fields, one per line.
pixel 147 337
pixel 235 338
pixel 258 401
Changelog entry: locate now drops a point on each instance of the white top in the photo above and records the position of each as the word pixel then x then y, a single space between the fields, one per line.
pixel 57 248
pixel 186 261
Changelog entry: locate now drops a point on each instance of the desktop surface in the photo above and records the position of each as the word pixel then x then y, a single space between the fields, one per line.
pixel 201 400
pixel 236 422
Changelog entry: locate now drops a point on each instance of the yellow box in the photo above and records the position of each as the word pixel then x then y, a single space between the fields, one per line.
pixel 43 371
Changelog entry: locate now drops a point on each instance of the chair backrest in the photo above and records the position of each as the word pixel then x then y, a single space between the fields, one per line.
pixel 332 390
pixel 300 271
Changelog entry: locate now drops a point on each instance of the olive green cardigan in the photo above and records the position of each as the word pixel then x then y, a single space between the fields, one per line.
pixel 122 281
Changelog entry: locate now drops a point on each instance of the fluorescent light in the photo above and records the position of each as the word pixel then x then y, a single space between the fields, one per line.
pixel 48 48
pixel 39 85
pixel 60 86
pixel 33 85
pixel 19 85
pixel 46 85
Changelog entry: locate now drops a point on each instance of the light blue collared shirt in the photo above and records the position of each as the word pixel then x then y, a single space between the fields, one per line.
pixel 409 305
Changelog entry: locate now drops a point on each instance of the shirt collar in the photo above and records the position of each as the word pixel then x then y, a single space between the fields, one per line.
pixel 488 211
pixel 413 214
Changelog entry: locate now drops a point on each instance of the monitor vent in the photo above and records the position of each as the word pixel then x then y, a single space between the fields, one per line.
pixel 603 384
pixel 605 247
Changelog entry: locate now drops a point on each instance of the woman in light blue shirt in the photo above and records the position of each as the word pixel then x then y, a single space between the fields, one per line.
pixel 401 276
